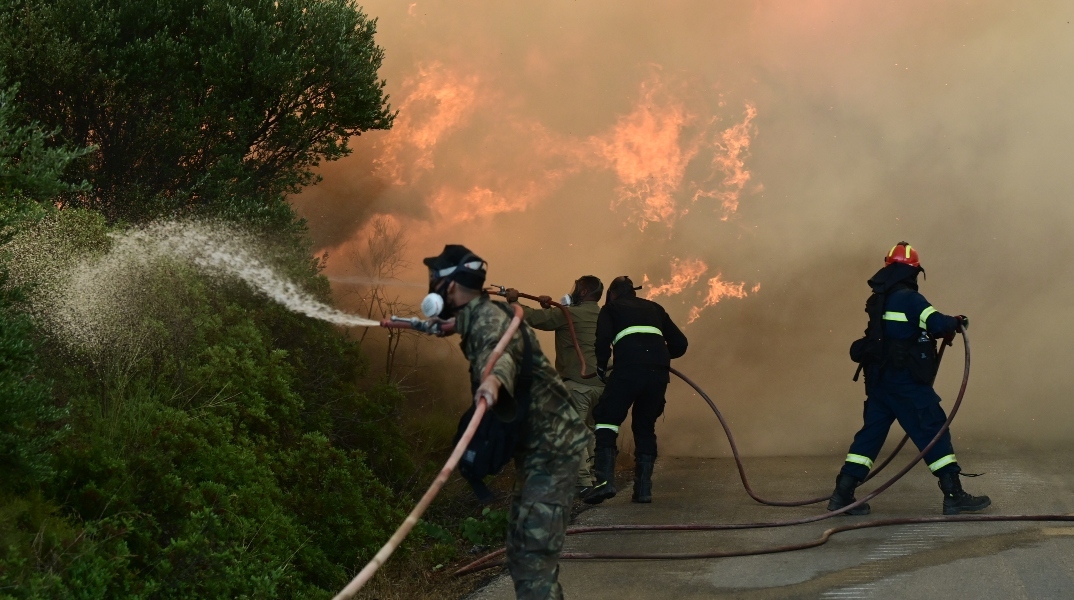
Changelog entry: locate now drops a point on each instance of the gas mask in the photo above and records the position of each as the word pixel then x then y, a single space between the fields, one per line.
pixel 469 272
pixel 434 304
pixel 567 300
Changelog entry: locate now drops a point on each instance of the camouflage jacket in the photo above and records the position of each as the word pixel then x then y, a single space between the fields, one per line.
pixel 584 316
pixel 552 425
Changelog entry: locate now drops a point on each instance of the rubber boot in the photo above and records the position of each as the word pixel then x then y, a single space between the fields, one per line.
pixel 844 495
pixel 604 473
pixel 956 500
pixel 643 478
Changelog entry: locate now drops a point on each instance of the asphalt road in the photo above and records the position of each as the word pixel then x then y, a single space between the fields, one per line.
pixel 945 560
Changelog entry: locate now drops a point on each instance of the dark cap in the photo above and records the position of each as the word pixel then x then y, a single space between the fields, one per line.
pixel 459 264
pixel 623 286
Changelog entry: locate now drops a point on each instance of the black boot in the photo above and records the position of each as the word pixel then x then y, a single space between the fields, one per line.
pixel 604 473
pixel 844 495
pixel 643 478
pixel 956 500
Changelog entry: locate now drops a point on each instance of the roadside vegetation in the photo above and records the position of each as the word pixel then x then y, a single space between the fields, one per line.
pixel 221 447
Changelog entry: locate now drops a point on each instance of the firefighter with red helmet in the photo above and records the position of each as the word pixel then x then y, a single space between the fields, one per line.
pixel 898 356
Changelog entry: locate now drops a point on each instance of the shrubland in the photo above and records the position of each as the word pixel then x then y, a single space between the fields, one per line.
pixel 212 444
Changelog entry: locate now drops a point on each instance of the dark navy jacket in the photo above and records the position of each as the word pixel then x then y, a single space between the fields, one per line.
pixel 908 315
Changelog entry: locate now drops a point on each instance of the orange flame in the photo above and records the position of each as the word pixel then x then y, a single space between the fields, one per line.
pixel 684 273
pixel 735 143
pixel 436 101
pixel 732 149
pixel 644 150
pixel 718 290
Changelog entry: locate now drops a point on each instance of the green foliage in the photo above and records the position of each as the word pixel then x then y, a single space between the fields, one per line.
pixel 26 408
pixel 218 106
pixel 229 456
pixel 29 166
pixel 217 445
pixel 489 529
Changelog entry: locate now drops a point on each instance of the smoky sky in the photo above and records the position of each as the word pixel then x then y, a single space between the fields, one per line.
pixel 785 145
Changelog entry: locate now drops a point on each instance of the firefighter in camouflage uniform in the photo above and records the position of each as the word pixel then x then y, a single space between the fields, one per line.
pixel 554 436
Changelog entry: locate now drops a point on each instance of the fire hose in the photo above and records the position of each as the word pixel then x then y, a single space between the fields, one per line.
pixel 500 290
pixel 411 520
pixel 487 561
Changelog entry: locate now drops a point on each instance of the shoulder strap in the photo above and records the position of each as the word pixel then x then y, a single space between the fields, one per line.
pixel 525 375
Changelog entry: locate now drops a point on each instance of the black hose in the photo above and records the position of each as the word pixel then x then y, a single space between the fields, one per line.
pixel 487 562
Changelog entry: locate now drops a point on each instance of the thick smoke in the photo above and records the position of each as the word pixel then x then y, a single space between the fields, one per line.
pixel 754 161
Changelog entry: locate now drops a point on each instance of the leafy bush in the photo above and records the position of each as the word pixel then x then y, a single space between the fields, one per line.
pixel 490 529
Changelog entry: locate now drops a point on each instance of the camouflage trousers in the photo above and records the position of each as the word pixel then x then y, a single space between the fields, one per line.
pixel 540 513
pixel 583 399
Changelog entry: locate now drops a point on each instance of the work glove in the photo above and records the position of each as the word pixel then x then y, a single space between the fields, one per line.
pixel 963 322
pixel 600 374
pixel 546 301
pixel 511 294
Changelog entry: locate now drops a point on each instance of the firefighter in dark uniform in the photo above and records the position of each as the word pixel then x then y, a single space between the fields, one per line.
pixel 898 356
pixel 645 341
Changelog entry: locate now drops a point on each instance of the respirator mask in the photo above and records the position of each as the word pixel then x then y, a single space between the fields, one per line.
pixel 470 272
pixel 567 300
pixel 432 305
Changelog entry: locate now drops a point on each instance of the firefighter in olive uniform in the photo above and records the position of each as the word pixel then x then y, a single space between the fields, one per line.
pixel 645 340
pixel 584 388
pixel 553 435
pixel 898 356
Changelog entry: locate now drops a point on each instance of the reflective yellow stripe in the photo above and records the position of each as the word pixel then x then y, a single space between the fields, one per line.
pixel 907 251
pixel 943 462
pixel 614 428
pixel 892 253
pixel 895 316
pixel 925 317
pixel 637 329
pixel 860 460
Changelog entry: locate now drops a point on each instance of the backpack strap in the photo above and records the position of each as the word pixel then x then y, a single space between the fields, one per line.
pixel 524 379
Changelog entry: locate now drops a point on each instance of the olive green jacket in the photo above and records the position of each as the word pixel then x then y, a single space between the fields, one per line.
pixel 584 316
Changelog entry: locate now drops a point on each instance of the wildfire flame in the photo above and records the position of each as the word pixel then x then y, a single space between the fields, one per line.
pixel 684 274
pixel 650 150
pixel 644 150
pixel 734 145
pixel 718 290
pixel 436 101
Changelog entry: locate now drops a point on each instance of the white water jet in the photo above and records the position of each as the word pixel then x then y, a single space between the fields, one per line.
pixel 217 250
pixel 96 302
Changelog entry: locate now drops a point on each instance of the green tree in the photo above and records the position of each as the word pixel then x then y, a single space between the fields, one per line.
pixel 196 106
pixel 30 169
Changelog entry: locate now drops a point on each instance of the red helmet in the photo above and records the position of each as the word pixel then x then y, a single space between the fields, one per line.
pixel 903 253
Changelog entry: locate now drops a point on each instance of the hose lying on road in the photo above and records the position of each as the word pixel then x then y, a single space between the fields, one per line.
pixel 488 561
pixel 381 557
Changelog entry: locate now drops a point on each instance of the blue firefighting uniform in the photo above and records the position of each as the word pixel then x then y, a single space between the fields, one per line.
pixel 892 394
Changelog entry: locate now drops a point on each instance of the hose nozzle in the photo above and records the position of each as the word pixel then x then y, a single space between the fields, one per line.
pixel 431 326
